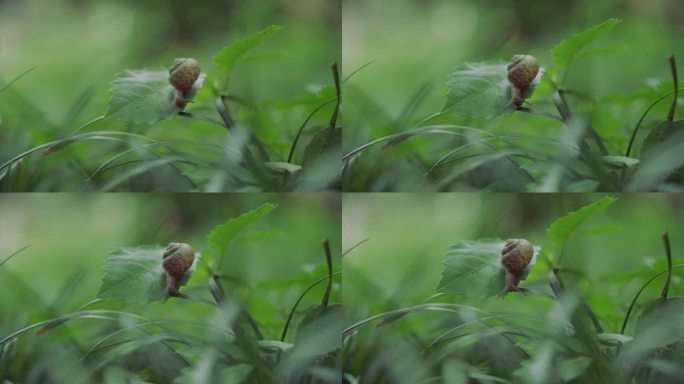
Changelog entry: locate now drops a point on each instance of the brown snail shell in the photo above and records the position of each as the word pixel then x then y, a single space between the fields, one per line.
pixel 177 261
pixel 183 74
pixel 515 257
pixel 522 70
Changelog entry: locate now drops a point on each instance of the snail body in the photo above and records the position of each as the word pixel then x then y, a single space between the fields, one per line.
pixel 177 261
pixel 515 258
pixel 182 76
pixel 522 70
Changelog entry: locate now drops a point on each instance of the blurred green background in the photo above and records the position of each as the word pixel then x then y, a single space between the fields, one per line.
pixel 77 48
pixel 69 237
pixel 414 45
pixel 401 262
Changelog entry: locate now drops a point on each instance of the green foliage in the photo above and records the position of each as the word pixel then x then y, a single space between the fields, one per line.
pixel 134 275
pixel 567 328
pixel 219 237
pixel 566 50
pixel 149 139
pixel 227 333
pixel 473 268
pixel 563 228
pixel 225 59
pixel 573 134
pixel 144 97
pixel 661 134
pixel 479 90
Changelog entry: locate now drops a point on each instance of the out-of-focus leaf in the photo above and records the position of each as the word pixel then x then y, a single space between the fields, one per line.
pixel 479 90
pixel 317 322
pixel 620 161
pixel 561 229
pixel 223 234
pixel 473 268
pixel 200 372
pixel 274 345
pixel 134 275
pixel 658 327
pixel 226 58
pixel 571 369
pixel 282 167
pixel 660 134
pixel 614 338
pixel 565 51
pixel 538 369
pixel 236 373
pixel 661 163
pixel 325 142
pixel 144 97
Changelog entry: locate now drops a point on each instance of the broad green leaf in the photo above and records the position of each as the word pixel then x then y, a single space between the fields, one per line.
pixel 613 338
pixel 325 142
pixel 236 373
pixel 660 164
pixel 573 368
pixel 223 234
pixel 620 162
pixel 282 167
pixel 661 133
pixel 319 330
pixel 135 275
pixel 473 269
pixel 274 345
pixel 658 329
pixel 479 90
pixel 201 371
pixel 565 51
pixel 226 58
pixel 144 97
pixel 561 229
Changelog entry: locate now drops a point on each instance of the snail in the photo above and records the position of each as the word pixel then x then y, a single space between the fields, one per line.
pixel 522 70
pixel 182 76
pixel 177 261
pixel 516 257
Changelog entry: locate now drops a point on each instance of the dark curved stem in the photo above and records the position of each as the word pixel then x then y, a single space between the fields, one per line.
pixel 336 76
pixel 17 78
pixel 673 69
pixel 12 255
pixel 328 259
pixel 668 254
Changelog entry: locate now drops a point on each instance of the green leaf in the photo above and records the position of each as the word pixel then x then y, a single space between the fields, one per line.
pixel 282 167
pixel 613 339
pixel 223 234
pixel 573 368
pixel 619 162
pixel 226 58
pixel 660 134
pixel 660 164
pixel 473 269
pixel 236 373
pixel 561 229
pixel 326 142
pixel 319 329
pixel 565 51
pixel 274 345
pixel 144 97
pixel 479 90
pixel 135 275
